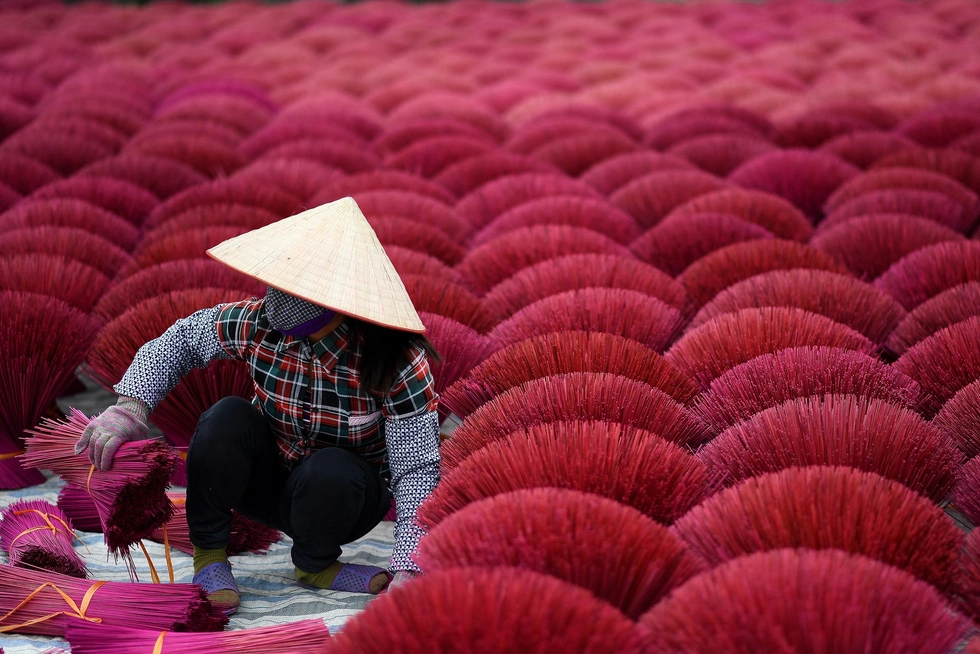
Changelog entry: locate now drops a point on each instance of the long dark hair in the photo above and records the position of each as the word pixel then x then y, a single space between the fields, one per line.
pixel 385 352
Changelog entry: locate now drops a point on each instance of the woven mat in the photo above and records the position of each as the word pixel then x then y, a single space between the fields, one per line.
pixel 269 593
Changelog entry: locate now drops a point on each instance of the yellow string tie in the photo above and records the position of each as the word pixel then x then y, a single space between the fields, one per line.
pixel 76 612
pixel 166 553
pixel 158 646
pixel 6 456
pixel 88 482
pixel 153 571
pixel 50 525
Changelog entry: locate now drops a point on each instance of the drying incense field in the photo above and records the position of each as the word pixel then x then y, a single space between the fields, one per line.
pixel 704 275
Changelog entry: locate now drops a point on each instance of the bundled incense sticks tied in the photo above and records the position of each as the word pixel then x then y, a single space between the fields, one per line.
pixel 290 638
pixel 46 603
pixel 130 498
pixel 37 534
pixel 246 535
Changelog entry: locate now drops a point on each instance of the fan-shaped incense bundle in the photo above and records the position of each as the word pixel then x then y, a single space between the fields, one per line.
pixel 846 602
pixel 46 603
pixel 773 378
pixel 943 310
pixel 966 494
pixel 632 466
pixel 585 539
pixel 130 496
pixel 487 610
pixel 868 434
pixel 822 507
pixel 943 363
pixel 36 534
pixel 968 581
pixel 960 418
pixel 300 637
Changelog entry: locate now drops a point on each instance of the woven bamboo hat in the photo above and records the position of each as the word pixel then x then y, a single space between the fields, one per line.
pixel 328 255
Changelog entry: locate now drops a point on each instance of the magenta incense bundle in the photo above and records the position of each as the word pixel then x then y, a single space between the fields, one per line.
pixel 37 534
pixel 130 498
pixel 290 638
pixel 46 603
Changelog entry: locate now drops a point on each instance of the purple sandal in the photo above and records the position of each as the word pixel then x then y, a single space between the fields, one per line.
pixel 355 578
pixel 217 577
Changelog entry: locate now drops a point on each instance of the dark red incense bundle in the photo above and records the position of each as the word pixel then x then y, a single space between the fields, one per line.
pixel 576 271
pixel 428 156
pixel 720 154
pixel 384 179
pixel 299 637
pixel 537 133
pixel 675 243
pixel 941 363
pixel 230 190
pixel 868 434
pixel 803 177
pixel 632 466
pixel 73 213
pixel 24 173
pixel 968 580
pixel 823 507
pixel 300 178
pixel 58 276
pixel 609 310
pixel 842 298
pixel 57 147
pixel 651 197
pixel 869 245
pixel 399 135
pixel 207 148
pixel 671 130
pixel 189 243
pixel 943 310
pixel 76 244
pixel 488 201
pixel 816 126
pixel 575 153
pixel 416 207
pixel 960 418
pixel 161 176
pixel 246 534
pixel 130 497
pixel 899 177
pixel 38 535
pixel 771 379
pixel 724 342
pixel 846 602
pixel 126 199
pixel 445 297
pixel 771 212
pixel 934 206
pixel 715 272
pixel 218 214
pixel 565 352
pixel 487 265
pixel 928 271
pixel 460 347
pixel 966 494
pixel 597 214
pixel 575 396
pixel 46 603
pixel 44 342
pixel 595 550
pixel 413 262
pixel 611 174
pixel 953 162
pixel 469 174
pixel 447 611
pixel 394 230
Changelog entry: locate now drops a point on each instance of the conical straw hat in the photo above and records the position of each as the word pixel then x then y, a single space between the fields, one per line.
pixel 328 255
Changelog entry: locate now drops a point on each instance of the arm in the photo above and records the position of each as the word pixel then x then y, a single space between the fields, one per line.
pixel 412 435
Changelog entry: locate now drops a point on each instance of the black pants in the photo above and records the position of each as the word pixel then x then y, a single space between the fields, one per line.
pixel 332 498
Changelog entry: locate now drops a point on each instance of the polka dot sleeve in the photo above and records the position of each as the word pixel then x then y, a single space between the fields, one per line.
pixel 413 455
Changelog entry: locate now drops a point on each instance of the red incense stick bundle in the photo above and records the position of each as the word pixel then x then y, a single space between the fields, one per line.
pixel 290 638
pixel 130 497
pixel 45 603
pixel 246 535
pixel 37 534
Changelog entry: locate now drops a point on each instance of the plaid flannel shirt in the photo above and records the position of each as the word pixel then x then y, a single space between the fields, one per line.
pixel 312 397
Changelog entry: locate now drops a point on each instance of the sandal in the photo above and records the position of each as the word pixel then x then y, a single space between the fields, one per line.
pixel 356 578
pixel 215 578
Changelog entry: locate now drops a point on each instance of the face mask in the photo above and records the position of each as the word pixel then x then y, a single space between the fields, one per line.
pixel 292 316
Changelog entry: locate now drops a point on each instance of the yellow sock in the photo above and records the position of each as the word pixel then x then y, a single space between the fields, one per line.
pixel 325 578
pixel 202 559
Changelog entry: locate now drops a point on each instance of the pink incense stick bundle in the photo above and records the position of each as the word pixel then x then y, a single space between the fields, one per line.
pixel 290 638
pixel 46 603
pixel 247 535
pixel 37 534
pixel 130 497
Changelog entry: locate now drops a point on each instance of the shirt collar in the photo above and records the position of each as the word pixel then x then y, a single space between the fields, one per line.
pixel 328 349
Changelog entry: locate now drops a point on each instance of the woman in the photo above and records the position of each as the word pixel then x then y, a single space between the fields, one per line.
pixel 344 415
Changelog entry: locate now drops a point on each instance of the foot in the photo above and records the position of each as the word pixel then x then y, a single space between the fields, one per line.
pixel 218 582
pixel 349 577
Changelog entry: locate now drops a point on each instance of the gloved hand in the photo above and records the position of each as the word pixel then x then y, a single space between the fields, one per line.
pixel 123 422
pixel 401 578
